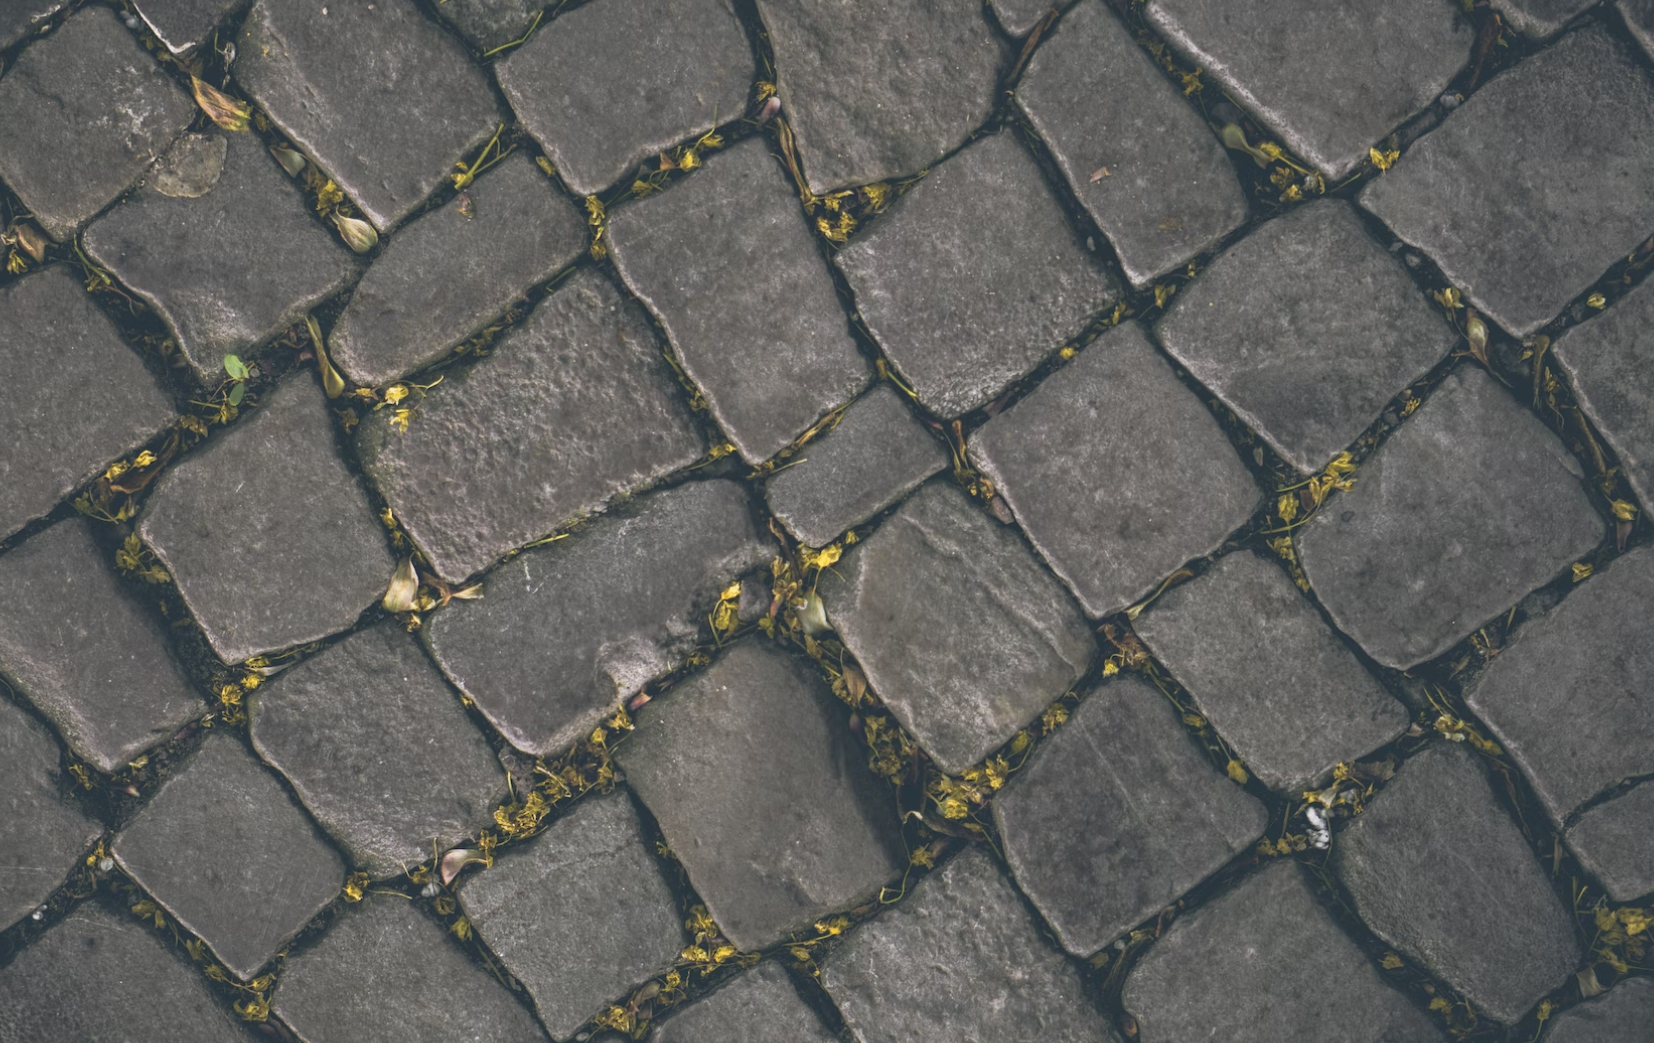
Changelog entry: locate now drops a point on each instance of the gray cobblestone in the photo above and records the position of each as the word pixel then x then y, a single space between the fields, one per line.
pixel 184 25
pixel 1621 1016
pixel 42 831
pixel 1609 361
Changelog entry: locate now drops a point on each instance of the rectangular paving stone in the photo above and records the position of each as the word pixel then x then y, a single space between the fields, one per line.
pixel 1539 19
pixel 572 408
pixel 726 262
pixel 1622 1015
pixel 1610 363
pixel 488 24
pixel 758 1007
pixel 42 830
pixel 1611 841
pixel 183 25
pixel 974 276
pixel 1137 155
pixel 1111 511
pixel 958 628
pixel 24 17
pixel 1520 252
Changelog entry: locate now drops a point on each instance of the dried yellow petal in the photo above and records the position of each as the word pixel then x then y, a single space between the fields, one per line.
pixel 222 109
pixel 404 588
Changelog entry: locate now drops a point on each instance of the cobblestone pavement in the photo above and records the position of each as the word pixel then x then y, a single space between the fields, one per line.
pixel 804 520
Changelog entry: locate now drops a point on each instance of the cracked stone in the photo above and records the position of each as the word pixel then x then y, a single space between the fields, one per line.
pixel 727 263
pixel 22 17
pixel 222 837
pixel 1101 104
pixel 384 100
pixel 960 631
pixel 1118 815
pixel 1462 511
pixel 1610 363
pixel 1638 15
pixel 1518 251
pixel 183 25
pixel 1485 919
pixel 758 1007
pixel 1306 329
pixel 1330 79
pixel 490 24
pixel 1111 513
pixel 567 633
pixel 571 409
pixel 607 86
pixel 1612 842
pixel 294 555
pixel 42 830
pixel 1622 1015
pixel 392 785
pixel 974 276
pixel 1539 19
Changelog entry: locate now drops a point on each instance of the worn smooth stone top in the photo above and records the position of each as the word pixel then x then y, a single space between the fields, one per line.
pixel 1485 919
pixel 1639 18
pixel 1331 79
pixel 489 24
pixel 1612 841
pixel 974 276
pixel 761 1006
pixel 1466 508
pixel 1306 328
pixel 1540 18
pixel 1519 250
pixel 960 631
pixel 42 831
pixel 1622 1015
pixel 22 17
pixel 184 25
pixel 728 264
pixel 72 395
pixel 608 85
pixel 1610 362
pixel 444 277
pixel 1101 103
pixel 878 89
pixel 1112 511
pixel 383 99
pixel 792 826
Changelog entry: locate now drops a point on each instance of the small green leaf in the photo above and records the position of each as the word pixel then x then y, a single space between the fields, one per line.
pixel 237 393
pixel 235 367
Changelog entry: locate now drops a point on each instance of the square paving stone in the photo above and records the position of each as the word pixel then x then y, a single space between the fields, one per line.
pixel 1610 362
pixel 1118 815
pixel 974 276
pixel 85 652
pixel 568 632
pixel 229 269
pixel 1237 969
pixel 960 631
pixel 379 749
pixel 21 18
pixel 184 25
pixel 877 89
pixel 1330 79
pixel 727 263
pixel 82 114
pixel 73 397
pixel 42 830
pixel 387 973
pixel 761 1006
pixel 266 532
pixel 608 85
pixel 959 959
pixel 1621 1016
pixel 1144 479
pixel 878 453
pixel 574 407
pixel 1539 19
pixel 1279 686
pixel 1639 18
pixel 792 826
pixel 1439 871
pixel 1306 328
pixel 381 97
pixel 1612 842
pixel 580 915
pixel 489 24
pixel 1101 104
pixel 1519 248
pixel 230 855
pixel 1461 512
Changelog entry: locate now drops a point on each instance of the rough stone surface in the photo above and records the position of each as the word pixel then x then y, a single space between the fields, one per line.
pixel 878 89
pixel 266 532
pixel 580 915
pixel 1331 79
pixel 444 277
pixel 761 1006
pixel 22 17
pixel 378 94
pixel 42 831
pixel 1111 513
pixel 1461 512
pixel 1638 15
pixel 1440 871
pixel 92 660
pixel 959 959
pixel 191 167
pixel 609 85
pixel 876 455
pixel 184 25
pixel 1612 841
pixel 227 270
pixel 224 848
pixel 1278 685
pixel 1102 104
pixel 1610 362
pixel 1236 970
pixel 61 353
pixel 974 276
pixel 488 24
pixel 572 409
pixel 1018 17
pixel 82 113
pixel 1118 815
pixel 727 263
pixel 1305 329
pixel 1621 1016
pixel 1539 19
pixel 1518 249
pixel 959 630
pixel 379 750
